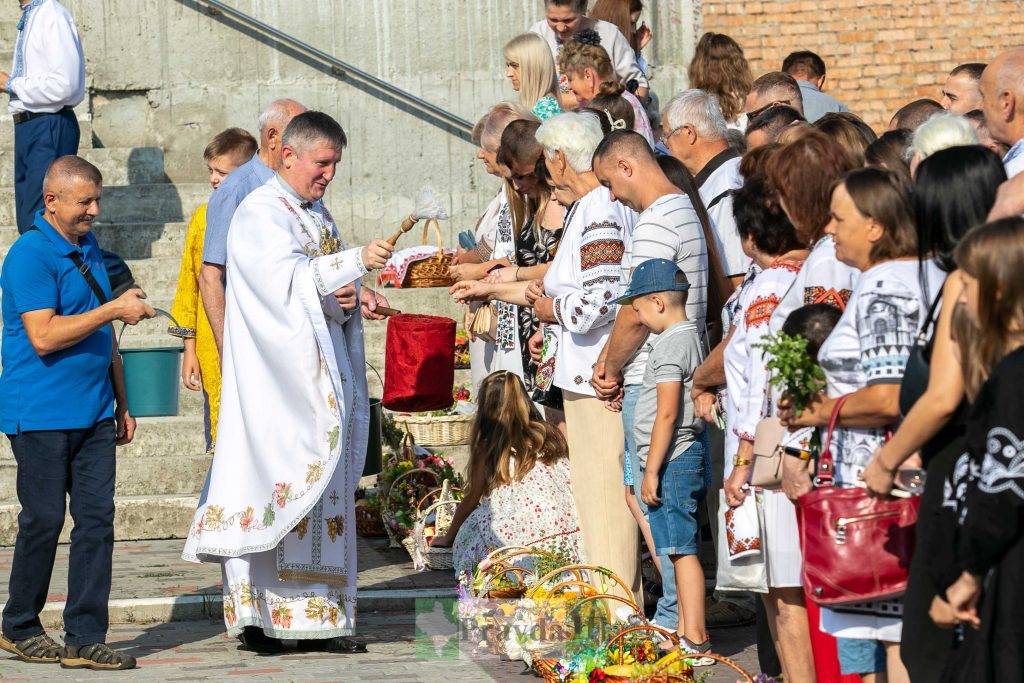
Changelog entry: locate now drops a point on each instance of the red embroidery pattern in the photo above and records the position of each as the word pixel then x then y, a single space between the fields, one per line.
pixel 738 545
pixel 601 253
pixel 791 266
pixel 760 310
pixel 832 297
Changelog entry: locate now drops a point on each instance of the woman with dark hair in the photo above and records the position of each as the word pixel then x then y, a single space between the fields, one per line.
pixel 771 242
pixel 863 360
pixel 954 190
pixel 890 151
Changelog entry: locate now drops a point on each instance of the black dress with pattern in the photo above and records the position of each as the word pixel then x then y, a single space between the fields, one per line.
pixel 533 247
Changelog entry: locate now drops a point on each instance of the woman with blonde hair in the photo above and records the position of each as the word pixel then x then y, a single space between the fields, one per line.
pixel 718 66
pixel 589 71
pixel 530 67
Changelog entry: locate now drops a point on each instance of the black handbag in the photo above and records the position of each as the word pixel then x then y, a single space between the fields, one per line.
pixel 918 369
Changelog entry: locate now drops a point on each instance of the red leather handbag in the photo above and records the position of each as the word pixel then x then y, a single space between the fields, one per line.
pixel 856 547
pixel 419 363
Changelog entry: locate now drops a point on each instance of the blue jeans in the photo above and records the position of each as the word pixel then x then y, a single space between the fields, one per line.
pixel 682 486
pixel 52 464
pixel 859 656
pixel 37 142
pixel 667 613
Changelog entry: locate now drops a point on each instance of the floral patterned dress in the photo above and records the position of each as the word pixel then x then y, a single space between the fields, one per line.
pixel 537 511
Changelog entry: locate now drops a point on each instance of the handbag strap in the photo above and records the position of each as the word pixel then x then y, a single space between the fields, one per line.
pixel 826 465
pixel 83 268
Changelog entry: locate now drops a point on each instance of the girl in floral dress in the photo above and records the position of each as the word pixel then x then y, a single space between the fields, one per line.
pixel 518 475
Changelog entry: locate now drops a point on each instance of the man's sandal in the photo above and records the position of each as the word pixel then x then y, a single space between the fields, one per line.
pixel 41 649
pixel 98 656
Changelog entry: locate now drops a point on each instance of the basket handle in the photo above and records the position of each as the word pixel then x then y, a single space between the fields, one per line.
pixel 419 503
pixel 578 569
pixel 437 234
pixel 654 628
pixel 609 596
pixel 385 507
pixel 747 678
pixel 159 312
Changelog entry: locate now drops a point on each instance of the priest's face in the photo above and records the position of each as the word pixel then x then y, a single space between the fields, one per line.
pixel 310 169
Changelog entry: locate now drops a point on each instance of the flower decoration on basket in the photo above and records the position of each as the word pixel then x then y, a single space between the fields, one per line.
pixel 405 480
pixel 461 350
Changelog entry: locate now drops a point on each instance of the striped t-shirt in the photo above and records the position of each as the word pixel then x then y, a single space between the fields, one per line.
pixel 669 229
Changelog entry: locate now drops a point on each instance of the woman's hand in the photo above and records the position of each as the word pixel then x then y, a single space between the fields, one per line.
pixel 643 36
pixel 963 598
pixel 545 310
pixel 878 477
pixel 735 492
pixel 535 291
pixel 471 290
pixel 795 480
pixel 705 405
pixel 942 614
pixel 442 541
pixel 464 271
pixel 502 275
pixel 191 377
pixel 536 345
pixel 814 414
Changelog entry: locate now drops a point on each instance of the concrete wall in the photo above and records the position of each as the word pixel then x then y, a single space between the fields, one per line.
pixel 166 75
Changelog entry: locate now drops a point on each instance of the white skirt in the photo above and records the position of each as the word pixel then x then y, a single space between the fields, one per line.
pixel 781 540
pixel 861 626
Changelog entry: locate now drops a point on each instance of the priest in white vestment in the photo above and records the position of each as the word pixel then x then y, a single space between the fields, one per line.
pixel 277 507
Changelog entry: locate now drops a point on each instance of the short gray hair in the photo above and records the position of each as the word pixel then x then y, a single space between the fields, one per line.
pixel 311 127
pixel 697 108
pixel 574 134
pixel 277 112
pixel 942 131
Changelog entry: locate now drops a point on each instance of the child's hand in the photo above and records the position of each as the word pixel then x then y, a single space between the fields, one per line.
pixel 649 489
pixel 442 541
pixel 190 374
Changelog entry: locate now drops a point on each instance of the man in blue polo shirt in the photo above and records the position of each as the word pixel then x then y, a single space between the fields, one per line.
pixel 63 407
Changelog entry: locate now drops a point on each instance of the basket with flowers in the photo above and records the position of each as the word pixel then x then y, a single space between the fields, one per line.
pixel 406 479
pixel 369 523
pixel 461 349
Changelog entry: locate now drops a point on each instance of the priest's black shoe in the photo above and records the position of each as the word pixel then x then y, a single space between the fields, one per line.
pixel 255 640
pixel 343 646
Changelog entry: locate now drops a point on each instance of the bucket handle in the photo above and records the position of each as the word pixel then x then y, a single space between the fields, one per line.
pixel 376 373
pixel 159 312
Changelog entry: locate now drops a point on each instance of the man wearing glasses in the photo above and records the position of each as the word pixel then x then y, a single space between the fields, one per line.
pixel 775 87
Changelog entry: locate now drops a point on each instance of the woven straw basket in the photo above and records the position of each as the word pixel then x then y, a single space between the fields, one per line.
pixel 448 430
pixel 430 272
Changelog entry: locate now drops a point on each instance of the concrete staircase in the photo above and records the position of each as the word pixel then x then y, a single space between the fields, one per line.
pixel 144 217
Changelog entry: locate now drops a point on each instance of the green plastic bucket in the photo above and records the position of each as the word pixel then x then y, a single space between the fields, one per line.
pixel 374 445
pixel 152 377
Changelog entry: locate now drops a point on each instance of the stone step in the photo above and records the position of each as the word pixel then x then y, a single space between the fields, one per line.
pixel 8 36
pixel 175 475
pixel 129 240
pixel 135 518
pixel 143 203
pixel 157 437
pixel 119 165
pixel 7 129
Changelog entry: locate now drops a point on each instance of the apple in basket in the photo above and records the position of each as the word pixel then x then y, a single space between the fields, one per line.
pixel 429 533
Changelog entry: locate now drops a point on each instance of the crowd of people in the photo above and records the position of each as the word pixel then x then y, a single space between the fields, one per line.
pixel 640 308
pixel 643 266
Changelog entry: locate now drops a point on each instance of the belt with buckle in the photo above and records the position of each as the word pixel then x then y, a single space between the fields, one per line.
pixel 23 116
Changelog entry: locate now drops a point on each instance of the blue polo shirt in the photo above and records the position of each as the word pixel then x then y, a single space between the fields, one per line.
pixel 67 389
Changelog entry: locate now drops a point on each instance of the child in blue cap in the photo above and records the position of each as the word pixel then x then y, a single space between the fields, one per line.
pixel 670 441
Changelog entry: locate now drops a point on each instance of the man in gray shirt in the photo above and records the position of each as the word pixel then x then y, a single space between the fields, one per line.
pixel 809 71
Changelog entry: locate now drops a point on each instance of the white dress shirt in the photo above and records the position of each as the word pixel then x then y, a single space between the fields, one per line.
pixel 48 73
pixel 1013 162
pixel 717 181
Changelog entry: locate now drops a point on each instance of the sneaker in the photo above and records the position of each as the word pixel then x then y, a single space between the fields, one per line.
pixel 694 651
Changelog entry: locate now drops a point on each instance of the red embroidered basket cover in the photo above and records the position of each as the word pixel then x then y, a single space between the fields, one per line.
pixel 419 363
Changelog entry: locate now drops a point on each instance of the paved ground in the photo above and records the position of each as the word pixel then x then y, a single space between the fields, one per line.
pixel 167 613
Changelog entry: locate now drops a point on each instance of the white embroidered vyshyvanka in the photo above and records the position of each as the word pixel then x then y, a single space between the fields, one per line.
pixel 277 507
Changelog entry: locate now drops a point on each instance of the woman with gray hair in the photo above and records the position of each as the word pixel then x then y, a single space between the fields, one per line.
pixel 940 131
pixel 576 300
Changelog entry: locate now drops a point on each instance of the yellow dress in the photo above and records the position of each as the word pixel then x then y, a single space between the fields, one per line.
pixel 188 311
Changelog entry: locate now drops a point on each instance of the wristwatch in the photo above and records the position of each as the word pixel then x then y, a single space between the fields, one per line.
pixel 798 453
pixel 737 461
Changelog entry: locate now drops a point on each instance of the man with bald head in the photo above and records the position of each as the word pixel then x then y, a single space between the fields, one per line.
pixel 1002 94
pixel 225 201
pixel 668 228
pixel 63 407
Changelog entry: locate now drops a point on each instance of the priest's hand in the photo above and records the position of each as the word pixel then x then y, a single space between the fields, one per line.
pixel 376 254
pixel 370 300
pixel 346 297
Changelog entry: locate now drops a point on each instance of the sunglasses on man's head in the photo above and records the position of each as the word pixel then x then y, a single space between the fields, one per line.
pixel 757 112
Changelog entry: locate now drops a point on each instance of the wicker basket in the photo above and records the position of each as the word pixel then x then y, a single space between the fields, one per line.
pixel 369 523
pixel 447 430
pixel 430 272
pixel 443 509
pixel 388 515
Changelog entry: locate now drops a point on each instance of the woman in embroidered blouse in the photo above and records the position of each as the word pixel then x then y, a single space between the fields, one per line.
pixel 770 240
pixel 519 491
pixel 989 594
pixel 589 70
pixel 863 360
pixel 200 366
pixel 531 69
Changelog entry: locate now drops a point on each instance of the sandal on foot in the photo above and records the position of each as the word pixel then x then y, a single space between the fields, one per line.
pixel 341 646
pixel 693 652
pixel 255 640
pixel 41 649
pixel 98 656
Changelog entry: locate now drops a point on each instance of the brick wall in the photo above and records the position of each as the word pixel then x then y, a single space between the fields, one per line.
pixel 880 54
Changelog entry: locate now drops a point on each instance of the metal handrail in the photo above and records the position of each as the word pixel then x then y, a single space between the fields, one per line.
pixel 339 67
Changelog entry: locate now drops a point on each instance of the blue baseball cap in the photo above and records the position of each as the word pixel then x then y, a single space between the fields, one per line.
pixel 655 275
